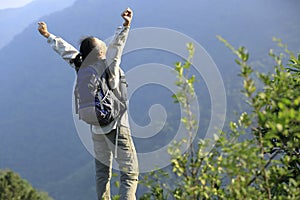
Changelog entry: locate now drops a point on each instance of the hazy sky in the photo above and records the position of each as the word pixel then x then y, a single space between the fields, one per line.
pixel 13 3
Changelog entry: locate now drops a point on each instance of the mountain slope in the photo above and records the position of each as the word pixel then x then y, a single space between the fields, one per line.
pixel 38 137
pixel 14 20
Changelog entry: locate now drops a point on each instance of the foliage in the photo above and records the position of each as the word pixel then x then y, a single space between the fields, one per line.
pixel 264 166
pixel 13 187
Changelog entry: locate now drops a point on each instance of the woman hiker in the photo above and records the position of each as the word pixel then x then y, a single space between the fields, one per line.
pixel 114 138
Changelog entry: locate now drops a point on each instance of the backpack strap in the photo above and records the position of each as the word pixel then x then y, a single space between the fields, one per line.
pixel 76 98
pixel 123 89
pixel 76 94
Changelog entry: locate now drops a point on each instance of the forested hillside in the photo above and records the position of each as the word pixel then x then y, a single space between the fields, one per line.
pixel 14 20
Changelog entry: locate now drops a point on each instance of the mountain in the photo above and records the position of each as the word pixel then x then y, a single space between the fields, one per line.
pixel 14 20
pixel 38 138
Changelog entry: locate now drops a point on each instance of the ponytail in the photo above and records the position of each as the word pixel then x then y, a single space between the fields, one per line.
pixel 77 61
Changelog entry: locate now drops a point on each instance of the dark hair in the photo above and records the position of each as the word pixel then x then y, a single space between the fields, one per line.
pixel 77 61
pixel 86 47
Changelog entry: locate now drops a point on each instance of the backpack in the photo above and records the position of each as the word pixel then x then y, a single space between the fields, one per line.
pixel 96 103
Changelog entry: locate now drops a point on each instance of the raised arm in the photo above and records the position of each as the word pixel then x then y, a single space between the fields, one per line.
pixel 115 48
pixel 60 46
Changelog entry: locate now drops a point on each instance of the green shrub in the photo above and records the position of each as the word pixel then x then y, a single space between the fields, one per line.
pixel 265 166
pixel 13 187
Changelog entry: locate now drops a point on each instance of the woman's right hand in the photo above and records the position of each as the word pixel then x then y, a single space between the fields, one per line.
pixel 127 16
pixel 43 29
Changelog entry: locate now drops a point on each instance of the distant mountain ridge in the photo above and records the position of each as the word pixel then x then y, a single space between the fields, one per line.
pixel 37 134
pixel 14 20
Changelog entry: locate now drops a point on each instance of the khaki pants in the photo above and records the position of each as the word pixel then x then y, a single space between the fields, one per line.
pixel 104 147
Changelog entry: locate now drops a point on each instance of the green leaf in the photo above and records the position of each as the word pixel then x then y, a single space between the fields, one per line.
pixel 233 126
pixel 117 184
pixel 192 79
pixel 187 65
pixel 238 62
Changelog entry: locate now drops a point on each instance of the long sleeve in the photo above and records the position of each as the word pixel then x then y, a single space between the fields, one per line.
pixel 63 48
pixel 114 54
